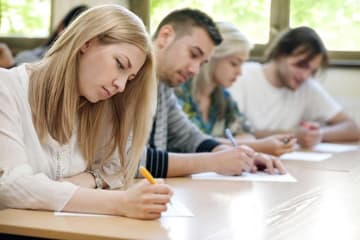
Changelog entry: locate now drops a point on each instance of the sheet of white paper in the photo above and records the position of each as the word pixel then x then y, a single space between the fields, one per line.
pixel 74 214
pixel 177 209
pixel 305 156
pixel 334 148
pixel 259 176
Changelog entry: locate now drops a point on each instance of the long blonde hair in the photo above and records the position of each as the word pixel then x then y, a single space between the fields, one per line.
pixel 234 41
pixel 58 110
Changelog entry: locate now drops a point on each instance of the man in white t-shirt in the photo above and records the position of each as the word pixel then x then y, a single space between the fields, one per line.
pixel 282 96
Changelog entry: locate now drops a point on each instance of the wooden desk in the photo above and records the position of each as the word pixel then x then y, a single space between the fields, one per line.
pixel 322 204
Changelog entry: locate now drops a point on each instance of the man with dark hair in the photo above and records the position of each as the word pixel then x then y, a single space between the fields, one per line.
pixel 281 95
pixel 183 41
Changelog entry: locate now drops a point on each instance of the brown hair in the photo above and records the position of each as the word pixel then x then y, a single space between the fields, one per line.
pixel 300 40
pixel 183 20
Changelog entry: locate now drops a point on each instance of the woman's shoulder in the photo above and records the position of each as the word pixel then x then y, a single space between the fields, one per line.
pixel 13 82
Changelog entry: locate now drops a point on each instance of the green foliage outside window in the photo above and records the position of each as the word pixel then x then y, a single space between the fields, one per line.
pixel 251 16
pixel 336 21
pixel 29 18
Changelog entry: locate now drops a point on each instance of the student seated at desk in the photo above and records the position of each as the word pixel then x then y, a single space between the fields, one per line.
pixel 183 41
pixel 7 60
pixel 210 106
pixel 67 122
pixel 282 96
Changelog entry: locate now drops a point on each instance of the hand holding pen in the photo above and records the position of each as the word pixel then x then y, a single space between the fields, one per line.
pixel 246 156
pixel 230 137
pixel 144 200
pixel 278 144
pixel 267 163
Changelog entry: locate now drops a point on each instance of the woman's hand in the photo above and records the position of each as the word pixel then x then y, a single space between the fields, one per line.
pixel 145 201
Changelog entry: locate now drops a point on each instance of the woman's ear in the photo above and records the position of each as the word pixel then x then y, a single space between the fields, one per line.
pixel 87 45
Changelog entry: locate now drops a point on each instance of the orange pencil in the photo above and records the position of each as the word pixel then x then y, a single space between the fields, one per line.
pixel 146 174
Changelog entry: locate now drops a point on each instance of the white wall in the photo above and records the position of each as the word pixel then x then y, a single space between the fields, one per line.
pixel 344 85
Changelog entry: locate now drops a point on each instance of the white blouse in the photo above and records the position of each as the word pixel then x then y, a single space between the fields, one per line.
pixel 29 170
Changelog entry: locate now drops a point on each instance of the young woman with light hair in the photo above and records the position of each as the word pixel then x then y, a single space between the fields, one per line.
pixel 211 107
pixel 67 122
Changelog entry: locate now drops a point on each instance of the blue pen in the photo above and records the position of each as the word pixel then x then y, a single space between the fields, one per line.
pixel 230 137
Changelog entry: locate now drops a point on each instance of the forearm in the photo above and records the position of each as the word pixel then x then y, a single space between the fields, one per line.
pixel 265 133
pixel 85 179
pixel 343 131
pixel 243 139
pixel 181 164
pixel 257 145
pixel 87 200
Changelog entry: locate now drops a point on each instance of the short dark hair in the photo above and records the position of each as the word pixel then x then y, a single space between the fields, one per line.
pixel 183 20
pixel 299 40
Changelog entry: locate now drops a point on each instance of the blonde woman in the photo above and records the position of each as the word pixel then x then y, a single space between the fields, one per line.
pixel 67 122
pixel 210 106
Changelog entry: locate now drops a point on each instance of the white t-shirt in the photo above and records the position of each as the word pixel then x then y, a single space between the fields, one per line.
pixel 275 109
pixel 28 169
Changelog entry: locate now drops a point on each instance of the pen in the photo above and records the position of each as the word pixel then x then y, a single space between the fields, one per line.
pixel 146 174
pixel 230 137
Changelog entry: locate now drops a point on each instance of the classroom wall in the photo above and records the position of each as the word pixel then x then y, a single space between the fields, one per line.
pixel 344 85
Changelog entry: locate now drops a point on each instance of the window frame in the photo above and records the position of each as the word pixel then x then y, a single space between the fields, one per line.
pixel 279 20
pixel 18 44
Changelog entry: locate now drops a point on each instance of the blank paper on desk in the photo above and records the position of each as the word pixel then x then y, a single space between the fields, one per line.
pixel 245 176
pixel 334 148
pixel 305 156
pixel 177 209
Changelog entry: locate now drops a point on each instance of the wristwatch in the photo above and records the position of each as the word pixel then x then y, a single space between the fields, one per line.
pixel 98 180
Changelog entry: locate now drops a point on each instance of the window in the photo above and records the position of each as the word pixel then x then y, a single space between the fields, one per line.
pixel 249 15
pixel 336 21
pixel 23 17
